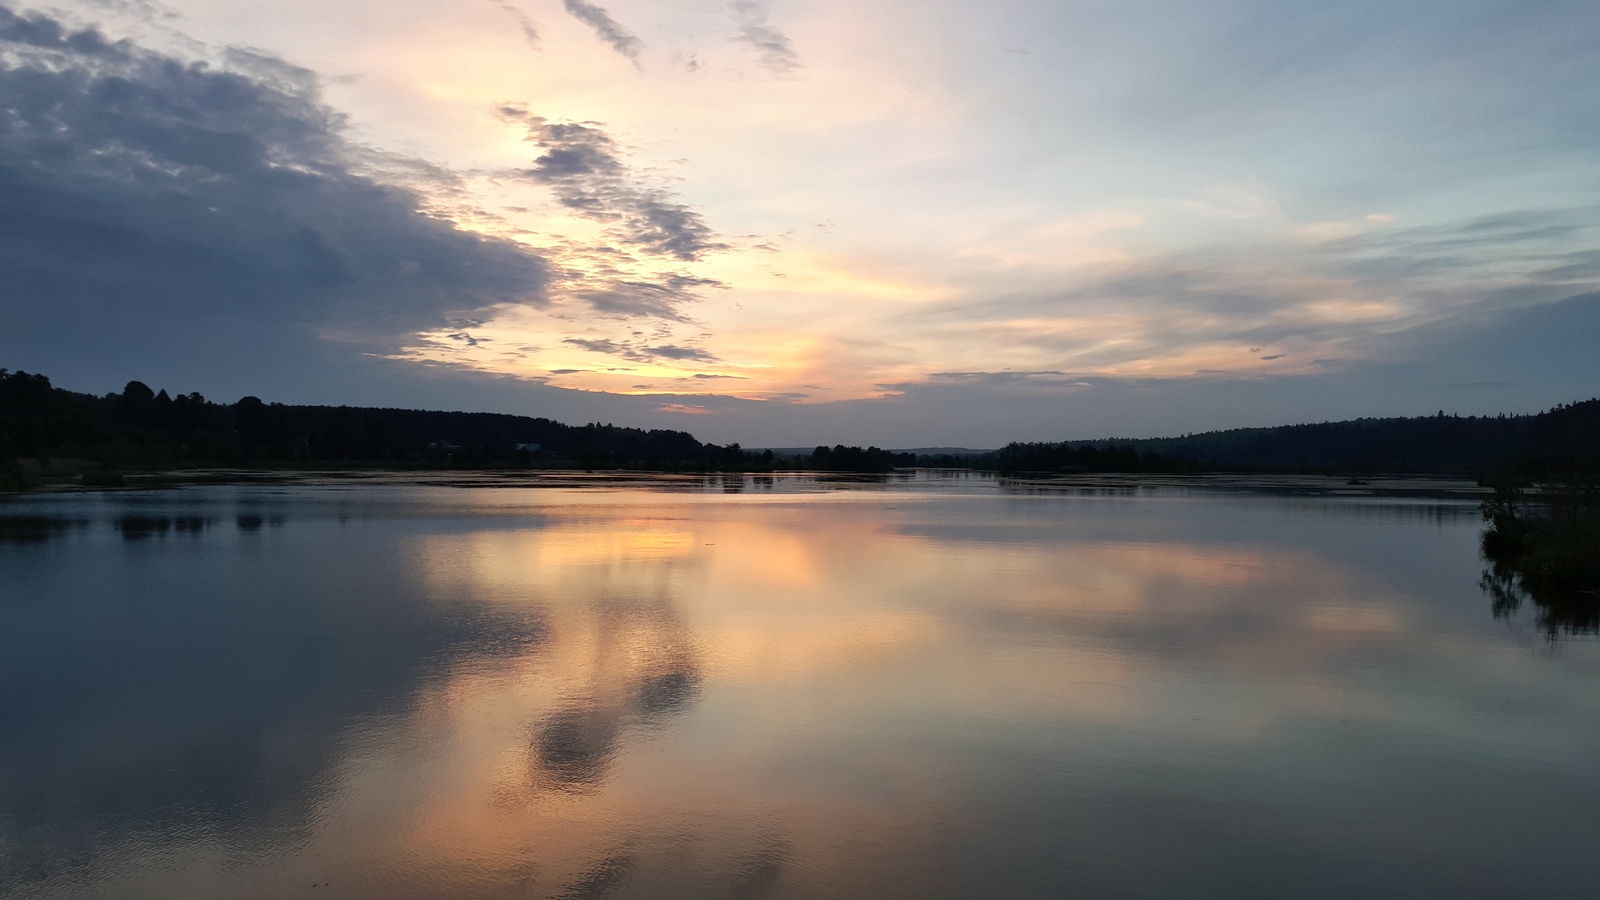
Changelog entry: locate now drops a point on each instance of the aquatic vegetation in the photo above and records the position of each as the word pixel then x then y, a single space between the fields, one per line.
pixel 1544 545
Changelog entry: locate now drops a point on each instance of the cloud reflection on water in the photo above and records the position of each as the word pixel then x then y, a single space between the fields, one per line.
pixel 851 615
pixel 636 694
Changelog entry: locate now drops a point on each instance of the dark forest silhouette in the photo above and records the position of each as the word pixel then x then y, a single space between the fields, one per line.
pixel 840 458
pixel 140 428
pixel 1562 440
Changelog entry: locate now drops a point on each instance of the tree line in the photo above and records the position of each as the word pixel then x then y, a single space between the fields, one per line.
pixel 144 428
pixel 140 427
pixel 1560 441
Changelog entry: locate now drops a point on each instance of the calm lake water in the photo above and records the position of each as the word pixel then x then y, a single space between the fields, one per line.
pixel 778 687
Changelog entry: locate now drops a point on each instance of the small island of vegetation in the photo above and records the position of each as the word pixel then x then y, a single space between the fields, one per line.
pixel 1544 545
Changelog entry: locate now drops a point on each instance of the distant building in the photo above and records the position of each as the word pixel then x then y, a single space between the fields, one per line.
pixel 528 448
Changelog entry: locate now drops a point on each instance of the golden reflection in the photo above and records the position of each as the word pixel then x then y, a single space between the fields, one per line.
pixel 690 652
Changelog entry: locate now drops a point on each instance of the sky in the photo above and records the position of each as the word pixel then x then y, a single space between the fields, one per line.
pixel 784 224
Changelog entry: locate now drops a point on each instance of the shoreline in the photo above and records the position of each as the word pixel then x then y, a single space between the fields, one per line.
pixel 1438 486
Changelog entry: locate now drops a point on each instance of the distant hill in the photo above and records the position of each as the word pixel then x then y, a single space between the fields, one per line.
pixel 944 451
pixel 1564 439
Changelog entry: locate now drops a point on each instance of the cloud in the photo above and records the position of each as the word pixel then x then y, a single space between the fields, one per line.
pixel 660 298
pixel 1525 241
pixel 583 166
pixel 1235 308
pixel 1509 360
pixel 606 28
pixel 669 351
pixel 154 206
pixel 599 346
pixel 996 376
pixel 636 299
pixel 638 352
pixel 146 10
pixel 774 48
pixel 530 31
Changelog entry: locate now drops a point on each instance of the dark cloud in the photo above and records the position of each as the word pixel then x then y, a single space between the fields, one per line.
pixel 774 48
pixel 669 351
pixel 989 376
pixel 583 166
pixel 599 346
pixel 155 206
pixel 606 28
pixel 637 299
pixel 639 352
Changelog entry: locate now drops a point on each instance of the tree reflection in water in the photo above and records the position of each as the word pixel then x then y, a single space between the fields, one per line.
pixel 37 529
pixel 1545 547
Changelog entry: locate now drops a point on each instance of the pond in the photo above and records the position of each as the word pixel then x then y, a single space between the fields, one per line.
pixel 702 687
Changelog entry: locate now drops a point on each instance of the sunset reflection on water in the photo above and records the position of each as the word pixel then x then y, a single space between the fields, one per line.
pixel 419 692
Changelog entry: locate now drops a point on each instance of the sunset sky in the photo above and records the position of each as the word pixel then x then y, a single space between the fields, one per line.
pixel 787 223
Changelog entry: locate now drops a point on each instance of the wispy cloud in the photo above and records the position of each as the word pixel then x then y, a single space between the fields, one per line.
pixel 668 351
pixel 530 31
pixel 146 10
pixel 637 273
pixel 583 166
pixel 634 298
pixel 773 47
pixel 606 28
pixel 600 346
pixel 636 351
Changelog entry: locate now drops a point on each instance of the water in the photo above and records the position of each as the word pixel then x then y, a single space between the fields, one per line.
pixel 751 687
